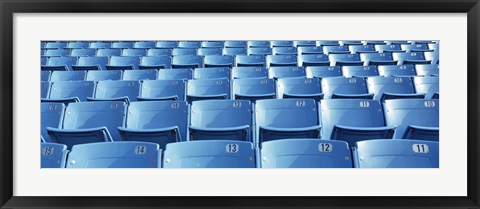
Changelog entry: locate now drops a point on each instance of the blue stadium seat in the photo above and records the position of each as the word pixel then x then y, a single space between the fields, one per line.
pixel 157 62
pixel 45 75
pixel 418 47
pixel 159 52
pixel 60 63
pixel 91 63
pixel 189 44
pixel 404 58
pixel 309 50
pixel 126 91
pixel 212 72
pixel 57 52
pixel 327 43
pixel 162 90
pixel 175 74
pixel 123 63
pixel 250 61
pixel 345 60
pixel 144 44
pixel 51 116
pixel 134 52
pixel 359 71
pixel 397 70
pixel 303 43
pixel 212 44
pixel 122 44
pixel 286 118
pixel 362 49
pixel 53 155
pixel 284 51
pixel 414 118
pixel 253 89
pixel 345 88
pixel 281 43
pixel 184 51
pixel 336 50
pixel 249 72
pixel 166 44
pixel 115 155
pixel 299 88
pixel 258 44
pixel 428 86
pixel 219 61
pixel 100 45
pixel 427 70
pixel 234 51
pixel 285 72
pixel 313 60
pixel 83 52
pixel 109 52
pixel 77 44
pixel 281 60
pixel 353 120
pixel 388 153
pixel 235 44
pixel 43 61
pixel 350 42
pixel 381 48
pixel 44 89
pixel 136 75
pixel 209 154
pixel 376 59
pixel 55 45
pixel 385 88
pixel 432 56
pixel 433 46
pixel 95 75
pixel 70 91
pixel 187 61
pixel 208 89
pixel 68 76
pixel 374 42
pixel 88 122
pixel 221 120
pixel 209 51
pixel 160 122
pixel 305 153
pixel 259 51
pixel 323 71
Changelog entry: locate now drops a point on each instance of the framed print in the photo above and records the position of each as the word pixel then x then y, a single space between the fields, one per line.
pixel 261 104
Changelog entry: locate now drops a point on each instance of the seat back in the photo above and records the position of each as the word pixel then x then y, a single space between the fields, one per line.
pixel 323 71
pixel 163 61
pixel 250 61
pixel 359 71
pixel 388 48
pixel 258 44
pixel 189 44
pixel 361 49
pixel 281 43
pixel 336 50
pixel 83 52
pixel 68 89
pixel 109 52
pixel 62 61
pixel 94 75
pixel 57 52
pixel 209 51
pixel 219 61
pixel 100 45
pixel 134 52
pixel 187 61
pixel 286 113
pixel 163 88
pixel 427 85
pixel 55 45
pixel 144 44
pixel 166 44
pixel 122 44
pixel 184 51
pixel 212 44
pixel 427 70
pixel 253 86
pixel 209 87
pixel 397 85
pixel 44 89
pixel 259 51
pixel 136 75
pixel 309 50
pixel 53 155
pixel 68 76
pixel 235 44
pixel 116 89
pixel 124 61
pixel 397 70
pixel 209 73
pixel 234 51
pixel 45 75
pixel 51 116
pixel 342 85
pixel 175 74
pixel 298 86
pixel 159 52
pixel 249 72
pixel 313 60
pixel 284 50
pixel 281 60
pixel 372 57
pixel 285 72
pixel 93 61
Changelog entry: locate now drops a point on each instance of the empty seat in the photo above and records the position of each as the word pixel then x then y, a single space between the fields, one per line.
pixel 166 44
pixel 250 61
pixel 55 45
pixel 221 120
pixel 353 120
pixel 184 51
pixel 428 86
pixel 427 70
pixel 299 88
pixel 134 52
pixel 209 51
pixel 100 45
pixel 144 44
pixel 303 43
pixel 115 155
pixel 60 63
pixel 136 75
pixel 285 72
pixel 213 72
pixel 109 52
pixel 234 51
pixel 53 155
pixel 159 122
pixel 123 63
pixel 396 154
pixel 305 153
pixel 45 75
pixel 284 51
pixel 208 89
pixel 432 56
pixel 157 62
pixel 397 70
pixel 309 50
pixel 83 52
pixel 159 52
pixel 126 91
pixel 286 118
pixel 57 52
pixel 44 89
pixel 362 49
pixel 219 61
pixel 404 58
pixel 433 46
pixel 235 44
pixel 259 51
pixel 281 60
pixel 414 118
pixel 190 44
pixel 212 44
pixel 281 43
pixel 359 71
pixel 209 154
pixel 327 43
pixel 91 63
pixel 345 60
pixel 187 61
pixel 249 72
pixel 345 88
pixel 88 122
pixel 384 58
pixel 417 47
pixel 122 44
pixel 313 60
pixel 323 71
pixel 51 116
pixel 253 89
pixel 70 91
pixel 385 88
pixel 175 74
pixel 162 90
pixel 258 44
pixel 94 75
pixel 68 76
pixel 381 48
pixel 336 50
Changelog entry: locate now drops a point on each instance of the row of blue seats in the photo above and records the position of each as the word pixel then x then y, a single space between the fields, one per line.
pixel 164 122
pixel 286 153
pixel 243 72
pixel 253 89
pixel 194 61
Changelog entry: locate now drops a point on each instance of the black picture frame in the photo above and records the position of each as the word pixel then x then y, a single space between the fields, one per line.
pixel 9 7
